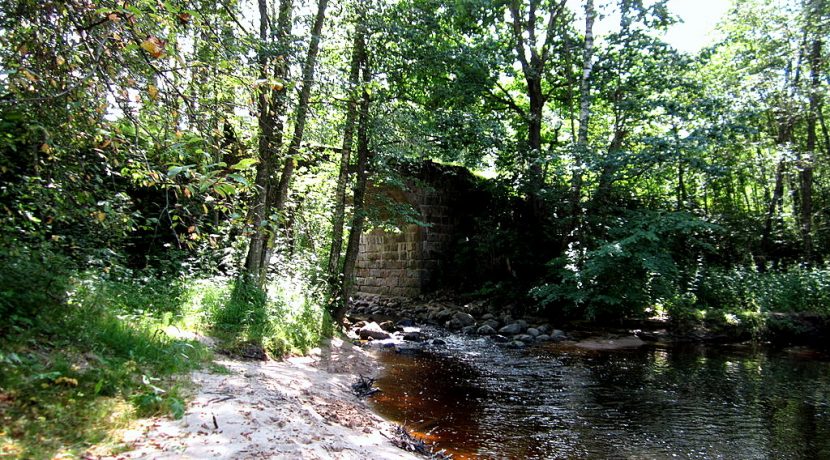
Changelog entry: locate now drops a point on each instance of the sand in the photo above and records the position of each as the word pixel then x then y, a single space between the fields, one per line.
pixel 300 408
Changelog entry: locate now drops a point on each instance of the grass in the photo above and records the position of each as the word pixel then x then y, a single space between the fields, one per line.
pixel 82 369
pixel 82 357
pixel 283 320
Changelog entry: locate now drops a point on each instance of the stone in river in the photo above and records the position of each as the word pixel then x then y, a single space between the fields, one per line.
pixel 511 329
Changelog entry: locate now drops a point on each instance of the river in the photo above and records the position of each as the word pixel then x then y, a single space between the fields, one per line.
pixel 479 400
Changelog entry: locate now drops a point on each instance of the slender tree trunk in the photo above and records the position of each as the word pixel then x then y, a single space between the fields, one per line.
pixel 358 51
pixel 270 104
pixel 278 195
pixel 580 156
pixel 359 215
pixel 806 170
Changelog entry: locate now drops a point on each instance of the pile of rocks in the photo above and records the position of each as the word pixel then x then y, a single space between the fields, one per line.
pixel 378 317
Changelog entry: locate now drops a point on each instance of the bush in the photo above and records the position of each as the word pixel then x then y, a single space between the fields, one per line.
pixel 31 282
pixel 648 258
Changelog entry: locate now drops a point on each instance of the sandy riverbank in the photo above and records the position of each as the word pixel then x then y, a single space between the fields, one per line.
pixel 297 408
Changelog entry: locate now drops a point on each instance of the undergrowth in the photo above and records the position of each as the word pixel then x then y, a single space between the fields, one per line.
pixel 82 366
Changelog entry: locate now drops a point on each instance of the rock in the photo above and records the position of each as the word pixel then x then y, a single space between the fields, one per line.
pixel 487 316
pixel 468 330
pixel 511 329
pixel 517 344
pixel 486 330
pixel 414 336
pixel 465 319
pixel 387 326
pixel 543 329
pixel 500 339
pixel 492 323
pixel 543 338
pixel 373 331
pixel 406 322
pixel 453 324
pixel 533 331
pixel 408 349
pixel 359 324
pixel 557 336
pixel 526 338
pixel 522 323
pixel 438 342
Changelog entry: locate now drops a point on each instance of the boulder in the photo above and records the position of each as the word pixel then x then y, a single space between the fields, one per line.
pixel 500 339
pixel 387 326
pixel 453 324
pixel 533 331
pixel 526 338
pixel 414 336
pixel 516 344
pixel 468 330
pixel 543 328
pixel 406 322
pixel 373 331
pixel 465 319
pixel 487 316
pixel 543 338
pixel 486 330
pixel 511 329
pixel 438 342
pixel 557 336
pixel 492 323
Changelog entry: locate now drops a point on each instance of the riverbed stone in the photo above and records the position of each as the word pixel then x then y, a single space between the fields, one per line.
pixel 526 338
pixel 465 319
pixel 438 342
pixel 468 330
pixel 487 316
pixel 516 344
pixel 494 323
pixel 373 331
pixel 387 326
pixel 557 335
pixel 543 338
pixel 511 329
pixel 486 330
pixel 498 338
pixel 522 323
pixel 414 336
pixel 406 322
pixel 533 331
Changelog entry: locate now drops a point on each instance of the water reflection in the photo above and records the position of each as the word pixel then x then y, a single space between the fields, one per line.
pixel 479 400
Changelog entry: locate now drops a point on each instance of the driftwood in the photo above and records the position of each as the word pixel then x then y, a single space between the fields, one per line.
pixel 364 387
pixel 406 441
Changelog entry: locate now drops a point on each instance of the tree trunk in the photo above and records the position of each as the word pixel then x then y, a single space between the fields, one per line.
pixel 270 104
pixel 584 117
pixel 359 215
pixel 358 52
pixel 277 196
pixel 806 170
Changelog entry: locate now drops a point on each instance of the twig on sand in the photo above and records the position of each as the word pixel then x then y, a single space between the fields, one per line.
pixel 410 443
pixel 364 387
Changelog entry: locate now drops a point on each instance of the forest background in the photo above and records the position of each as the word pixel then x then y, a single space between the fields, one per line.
pixel 204 164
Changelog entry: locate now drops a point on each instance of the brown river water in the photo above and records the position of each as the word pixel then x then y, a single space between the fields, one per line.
pixel 478 400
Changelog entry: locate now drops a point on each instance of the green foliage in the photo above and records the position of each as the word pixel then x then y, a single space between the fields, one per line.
pixel 31 283
pixel 789 291
pixel 68 377
pixel 283 321
pixel 644 260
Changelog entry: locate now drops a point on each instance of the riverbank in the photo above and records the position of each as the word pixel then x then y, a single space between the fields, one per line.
pixel 301 407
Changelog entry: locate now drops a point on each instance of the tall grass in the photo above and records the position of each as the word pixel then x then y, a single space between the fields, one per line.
pixel 285 319
pixel 88 362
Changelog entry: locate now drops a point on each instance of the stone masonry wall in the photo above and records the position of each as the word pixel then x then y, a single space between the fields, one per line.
pixel 409 262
